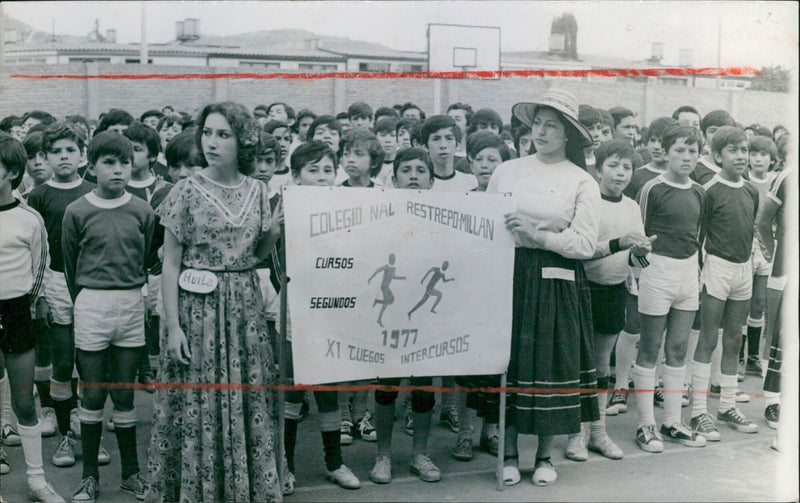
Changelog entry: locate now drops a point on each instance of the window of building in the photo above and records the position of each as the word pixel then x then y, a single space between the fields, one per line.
pixel 89 59
pixel 259 64
pixel 373 67
pixel 316 67
pixel 135 61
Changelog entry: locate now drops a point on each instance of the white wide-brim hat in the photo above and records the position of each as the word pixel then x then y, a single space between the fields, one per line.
pixel 558 99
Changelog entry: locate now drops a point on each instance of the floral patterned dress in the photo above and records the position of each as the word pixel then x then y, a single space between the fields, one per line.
pixel 214 435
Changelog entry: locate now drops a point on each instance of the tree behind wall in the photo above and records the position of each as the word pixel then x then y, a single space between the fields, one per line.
pixel 774 79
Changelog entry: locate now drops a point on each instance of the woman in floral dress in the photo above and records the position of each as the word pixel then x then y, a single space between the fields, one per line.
pixel 214 435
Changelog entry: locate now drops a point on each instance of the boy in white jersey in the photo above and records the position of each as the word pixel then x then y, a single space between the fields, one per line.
pixel 671 207
pixel 441 136
pixel 727 228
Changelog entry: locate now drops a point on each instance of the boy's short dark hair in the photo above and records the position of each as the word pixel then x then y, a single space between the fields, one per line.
pixel 589 116
pixel 360 109
pixel 151 113
pixel 342 115
pixel 674 133
pixel 727 135
pixel 480 140
pixel 112 118
pixel 409 106
pixel 764 145
pixel 362 137
pixel 169 120
pixel 619 113
pixel 461 106
pixel 109 143
pixel 762 131
pixel 182 148
pixel 684 109
pixel 485 116
pixel 33 144
pixel 610 148
pixel 324 120
pixel 436 123
pixel 658 127
pixel 386 125
pixel 8 122
pixel 309 152
pixel 61 131
pixel 385 112
pixel 41 116
pixel 268 144
pixel 405 123
pixel 716 118
pixel 410 154
pixel 145 135
pixel 13 157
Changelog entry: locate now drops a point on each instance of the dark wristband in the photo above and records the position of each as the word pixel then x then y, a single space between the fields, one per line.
pixel 613 245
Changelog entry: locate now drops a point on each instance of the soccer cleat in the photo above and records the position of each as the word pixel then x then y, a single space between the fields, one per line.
pixel 737 421
pixel 682 434
pixel 87 491
pixel 44 494
pixel 64 455
pixel 343 477
pixel 9 436
pixel 463 450
pixel 346 432
pixel 48 422
pixel 365 430
pixel 135 485
pixel 704 425
pixel 382 471
pixel 449 419
pixel 423 467
pixel 772 414
pixel 617 402
pixel 658 396
pixel 648 439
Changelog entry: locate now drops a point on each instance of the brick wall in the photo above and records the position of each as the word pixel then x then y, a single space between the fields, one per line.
pixel 91 97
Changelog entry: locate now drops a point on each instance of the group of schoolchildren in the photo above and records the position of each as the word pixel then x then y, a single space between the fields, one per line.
pixel 681 316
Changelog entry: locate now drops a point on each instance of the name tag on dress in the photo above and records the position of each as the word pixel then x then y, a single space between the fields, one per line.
pixel 196 281
pixel 558 273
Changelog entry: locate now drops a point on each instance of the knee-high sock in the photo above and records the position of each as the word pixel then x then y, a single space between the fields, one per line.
pixel 422 429
pixel 384 423
pixel 645 380
pixel 754 336
pixel 673 388
pixel 625 356
pixel 61 392
pixel 289 441
pixel 727 396
pixel 91 431
pixel 31 437
pixel 125 430
pixel 701 372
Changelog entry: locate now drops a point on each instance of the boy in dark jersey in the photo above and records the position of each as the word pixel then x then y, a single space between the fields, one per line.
pixel 727 229
pixel 671 207
pixel 707 166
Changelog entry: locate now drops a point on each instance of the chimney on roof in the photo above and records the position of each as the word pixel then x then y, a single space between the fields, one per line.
pixel 188 29
pixel 111 36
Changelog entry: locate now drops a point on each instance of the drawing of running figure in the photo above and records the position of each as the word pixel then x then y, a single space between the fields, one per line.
pixel 437 274
pixel 388 275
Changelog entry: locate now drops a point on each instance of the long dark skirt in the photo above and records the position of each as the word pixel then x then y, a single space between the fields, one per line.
pixel 551 345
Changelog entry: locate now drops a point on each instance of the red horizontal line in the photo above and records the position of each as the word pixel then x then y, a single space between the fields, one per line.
pixel 620 72
pixel 355 387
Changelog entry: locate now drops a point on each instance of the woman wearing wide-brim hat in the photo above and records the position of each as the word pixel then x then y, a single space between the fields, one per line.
pixel 555 228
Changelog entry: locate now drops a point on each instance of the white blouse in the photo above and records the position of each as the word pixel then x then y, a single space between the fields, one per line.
pixel 561 199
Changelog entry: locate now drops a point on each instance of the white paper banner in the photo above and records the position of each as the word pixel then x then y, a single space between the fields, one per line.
pixel 397 283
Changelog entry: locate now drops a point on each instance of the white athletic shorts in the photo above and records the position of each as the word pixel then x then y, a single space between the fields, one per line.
pixel 109 318
pixel 57 295
pixel 760 265
pixel 669 283
pixel 725 280
pixel 777 282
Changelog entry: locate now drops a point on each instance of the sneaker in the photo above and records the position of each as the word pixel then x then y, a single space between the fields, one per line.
pixel 87 491
pixel 4 466
pixel 408 424
pixel 772 414
pixel 742 397
pixel 682 434
pixel 135 485
pixel 44 494
pixel 289 484
pixel 382 471
pixel 463 450
pixel 601 443
pixel 75 423
pixel 9 436
pixel 343 477
pixel 423 467
pixel 346 432
pixel 365 430
pixel 449 419
pixel 576 448
pixel 737 421
pixel 658 396
pixel 48 422
pixel 753 366
pixel 686 395
pixel 714 390
pixel 103 457
pixel 704 425
pixel 65 452
pixel 146 380
pixel 110 424
pixel 490 440
pixel 648 439
pixel 617 402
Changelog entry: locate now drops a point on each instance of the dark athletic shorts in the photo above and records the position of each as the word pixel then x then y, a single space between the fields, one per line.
pixel 16 334
pixel 608 308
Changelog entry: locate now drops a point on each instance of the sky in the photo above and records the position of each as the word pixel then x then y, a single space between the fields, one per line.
pixel 753 33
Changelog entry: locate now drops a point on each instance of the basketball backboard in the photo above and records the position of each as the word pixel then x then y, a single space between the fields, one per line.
pixel 454 48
